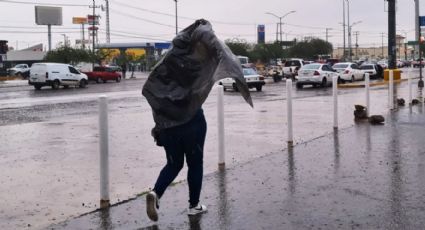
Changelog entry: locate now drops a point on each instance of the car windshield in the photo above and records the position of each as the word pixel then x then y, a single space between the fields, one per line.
pixel 249 71
pixel 311 67
pixel 340 66
pixel 20 66
pixel 366 67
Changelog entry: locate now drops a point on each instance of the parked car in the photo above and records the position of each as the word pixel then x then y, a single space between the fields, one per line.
pixel 56 75
pixel 418 62
pixel 315 74
pixel 252 78
pixel 291 67
pixel 19 70
pixel 348 71
pixel 103 74
pixel 374 70
pixel 383 64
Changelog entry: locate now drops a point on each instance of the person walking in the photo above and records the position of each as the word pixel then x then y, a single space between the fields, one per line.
pixel 176 89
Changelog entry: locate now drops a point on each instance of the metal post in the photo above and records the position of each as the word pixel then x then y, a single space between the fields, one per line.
pixel 93 24
pixel 289 110
pixel 343 27
pixel 392 54
pixel 280 29
pixel 349 30
pixel 420 82
pixel 83 41
pixel 176 18
pixel 220 126
pixel 49 36
pixel 104 151
pixel 391 90
pixel 367 86
pixel 108 31
pixel 335 100
pixel 417 27
pixel 409 82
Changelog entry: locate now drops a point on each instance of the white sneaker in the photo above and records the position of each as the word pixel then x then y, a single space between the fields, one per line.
pixel 152 205
pixel 197 210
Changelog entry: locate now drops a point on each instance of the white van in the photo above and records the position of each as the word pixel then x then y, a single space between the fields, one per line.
pixel 55 75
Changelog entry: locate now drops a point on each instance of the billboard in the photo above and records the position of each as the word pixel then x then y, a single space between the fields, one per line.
pixel 79 20
pixel 48 15
pixel 261 37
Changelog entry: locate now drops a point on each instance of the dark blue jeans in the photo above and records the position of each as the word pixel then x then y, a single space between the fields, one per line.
pixel 180 141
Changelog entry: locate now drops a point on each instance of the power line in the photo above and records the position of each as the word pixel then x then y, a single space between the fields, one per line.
pixel 42 3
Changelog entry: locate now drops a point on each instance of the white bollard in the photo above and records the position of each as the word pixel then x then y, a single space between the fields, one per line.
pixel 409 83
pixel 391 90
pixel 335 100
pixel 367 87
pixel 220 126
pixel 104 151
pixel 289 110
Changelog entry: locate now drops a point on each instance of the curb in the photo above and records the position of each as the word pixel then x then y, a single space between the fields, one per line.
pixel 354 85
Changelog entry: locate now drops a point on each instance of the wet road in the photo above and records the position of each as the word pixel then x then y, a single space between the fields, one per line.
pixel 49 141
pixel 361 177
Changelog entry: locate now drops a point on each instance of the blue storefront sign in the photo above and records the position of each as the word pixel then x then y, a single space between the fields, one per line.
pixel 261 37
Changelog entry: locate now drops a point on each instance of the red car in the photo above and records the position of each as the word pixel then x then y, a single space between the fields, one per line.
pixel 103 73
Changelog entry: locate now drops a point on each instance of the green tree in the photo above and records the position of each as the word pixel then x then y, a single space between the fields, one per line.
pixel 266 52
pixel 73 56
pixel 238 47
pixel 309 49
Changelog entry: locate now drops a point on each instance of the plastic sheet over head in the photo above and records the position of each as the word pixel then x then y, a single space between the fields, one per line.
pixel 181 81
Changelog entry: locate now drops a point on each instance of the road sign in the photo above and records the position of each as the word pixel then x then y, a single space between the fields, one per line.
pixel 411 43
pixel 91 18
pixel 93 28
pixel 421 20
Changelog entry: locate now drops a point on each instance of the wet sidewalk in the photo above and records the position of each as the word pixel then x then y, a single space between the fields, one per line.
pixel 362 177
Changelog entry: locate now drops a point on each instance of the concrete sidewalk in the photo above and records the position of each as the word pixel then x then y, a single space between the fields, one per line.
pixel 362 177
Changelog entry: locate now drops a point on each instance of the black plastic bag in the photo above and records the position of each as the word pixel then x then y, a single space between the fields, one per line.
pixel 181 81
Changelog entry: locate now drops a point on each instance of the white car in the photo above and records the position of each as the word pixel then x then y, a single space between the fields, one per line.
pixel 291 67
pixel 374 70
pixel 19 70
pixel 55 75
pixel 315 74
pixel 349 71
pixel 252 78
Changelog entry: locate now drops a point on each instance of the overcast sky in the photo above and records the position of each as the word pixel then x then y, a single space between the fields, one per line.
pixel 154 20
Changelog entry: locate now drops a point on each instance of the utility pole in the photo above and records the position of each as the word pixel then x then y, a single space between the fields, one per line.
pixel 327 35
pixel 108 31
pixel 357 43
pixel 417 33
pixel 382 46
pixel 176 18
pixel 343 27
pixel 392 54
pixel 349 30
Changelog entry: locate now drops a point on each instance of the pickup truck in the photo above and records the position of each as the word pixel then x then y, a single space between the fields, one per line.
pixel 291 67
pixel 22 70
pixel 103 74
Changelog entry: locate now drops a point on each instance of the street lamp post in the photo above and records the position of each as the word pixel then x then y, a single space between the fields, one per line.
pixel 280 20
pixel 349 39
pixel 343 27
pixel 176 18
